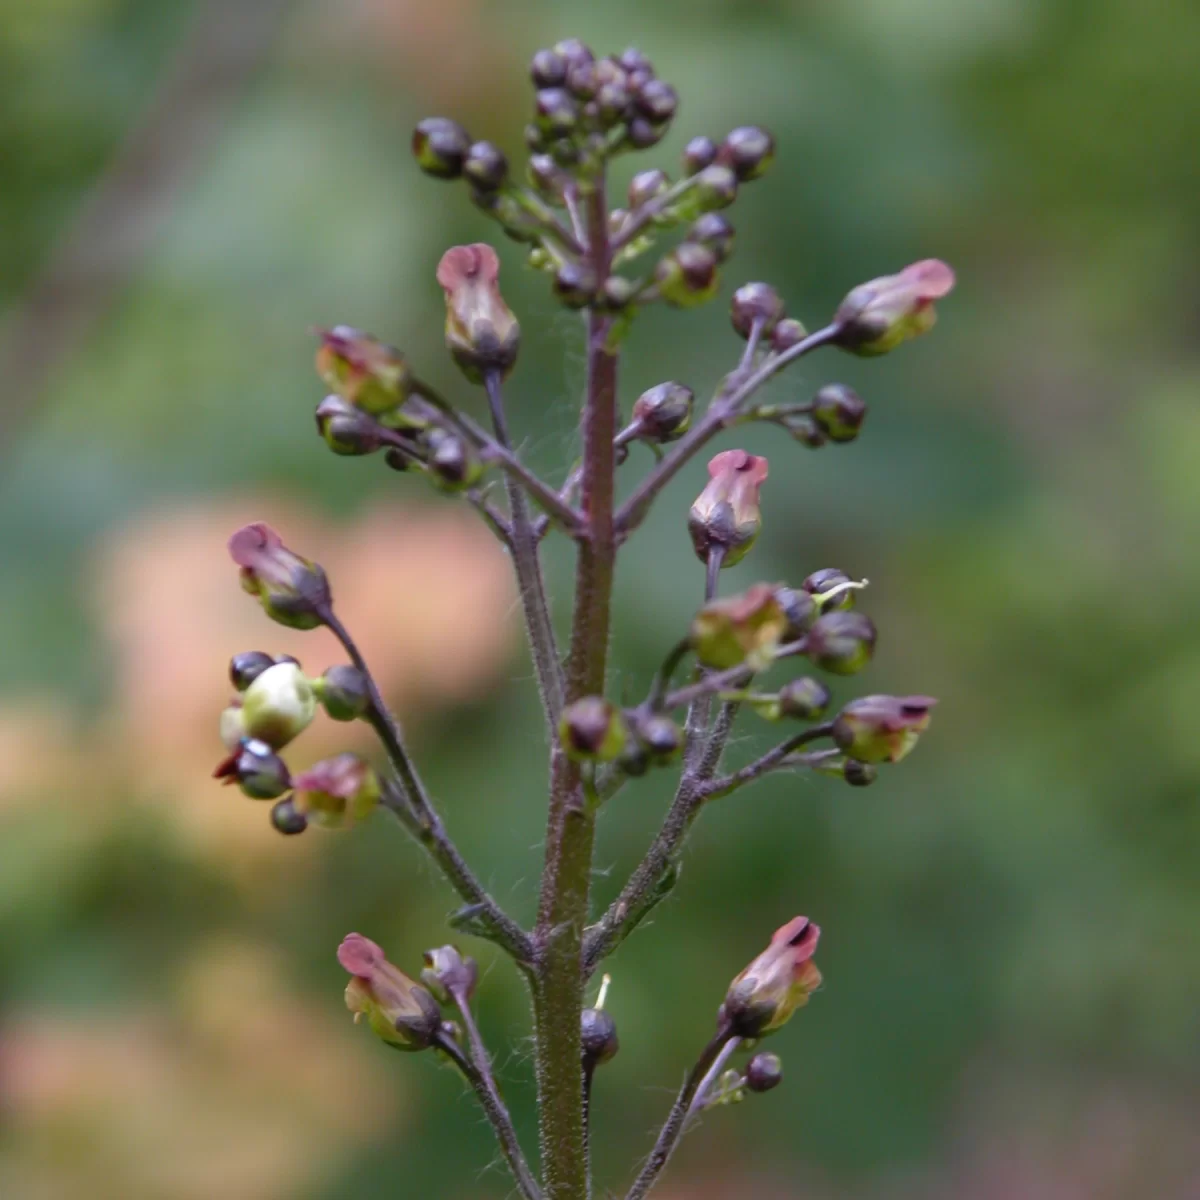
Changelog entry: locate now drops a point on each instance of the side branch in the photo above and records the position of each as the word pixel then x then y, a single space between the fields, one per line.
pixel 423 820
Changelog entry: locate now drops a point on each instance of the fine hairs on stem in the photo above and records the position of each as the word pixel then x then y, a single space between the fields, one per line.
pixel 725 666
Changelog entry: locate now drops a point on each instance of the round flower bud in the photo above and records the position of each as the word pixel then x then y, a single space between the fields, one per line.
pixel 749 150
pixel 613 102
pixel 535 139
pixel 699 153
pixel 452 464
pixel 556 111
pixel 398 460
pixel 805 431
pixel 657 100
pixel 800 610
pixel 575 284
pixel 485 166
pixel 440 145
pixel 714 231
pixel 287 818
pixel 449 974
pixel 642 133
pixel 482 334
pixel 726 515
pixel 548 69
pixel 841 642
pixel 764 1072
pixel 278 706
pixel 347 430
pixel 839 411
pixel 632 59
pixel 545 176
pixel 878 316
pixel 592 730
pixel 875 729
pixel 830 579
pixel 582 80
pixel 664 412
pixel 565 152
pixel 259 771
pixel 246 667
pixel 859 774
pixel 660 736
pixel 645 185
pixel 634 760
pixel 716 187
pixel 618 293
pixel 688 276
pixel 598 1036
pixel 343 692
pixel 788 333
pixel 755 304
pixel 804 698
pixel 573 52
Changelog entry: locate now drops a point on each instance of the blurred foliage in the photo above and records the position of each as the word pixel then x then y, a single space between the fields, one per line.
pixel 1012 920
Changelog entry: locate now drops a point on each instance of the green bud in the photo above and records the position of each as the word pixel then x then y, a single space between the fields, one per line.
pixel 361 369
pixel 246 667
pixel 746 628
pixel 592 730
pixel 347 430
pixel 688 276
pixel 440 146
pixel 841 642
pixel 839 411
pixel 755 304
pixel 287 819
pixel 749 150
pixel 485 166
pixel 343 692
pixel 664 412
pixel 699 153
pixel 804 698
pixel 875 729
pixel 278 706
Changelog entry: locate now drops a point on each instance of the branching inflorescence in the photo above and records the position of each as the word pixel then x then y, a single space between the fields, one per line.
pixel 587 112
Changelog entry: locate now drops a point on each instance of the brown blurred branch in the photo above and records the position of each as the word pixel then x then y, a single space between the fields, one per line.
pixel 220 54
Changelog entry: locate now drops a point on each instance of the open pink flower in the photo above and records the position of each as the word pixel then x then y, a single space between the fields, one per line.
pixel 877 729
pixel 482 334
pixel 726 515
pixel 877 316
pixel 292 590
pixel 779 981
pixel 399 1010
pixel 337 792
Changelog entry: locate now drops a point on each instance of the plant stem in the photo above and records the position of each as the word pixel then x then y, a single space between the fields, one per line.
pixel 772 760
pixel 714 1073
pixel 426 825
pixel 566 879
pixel 478 1073
pixel 672 1129
pixel 528 569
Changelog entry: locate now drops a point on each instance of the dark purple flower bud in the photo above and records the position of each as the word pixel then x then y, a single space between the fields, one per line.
pixel 256 769
pixel 565 152
pixel 726 514
pixel 832 589
pixel 291 589
pixel 449 975
pixel 482 334
pixel 645 186
pixel 548 69
pixel 716 187
pixel 485 166
pixel 453 466
pixel 714 231
pixel 657 101
pixel 659 736
pixel 688 276
pixel 878 316
pixel 875 729
pixel 343 692
pixel 764 1072
pixel 755 304
pixel 573 51
pixel 546 176
pixel 583 81
pixel 287 818
pixel 699 153
pixel 598 1037
pixel 613 102
pixel 839 411
pixel 535 139
pixel 246 667
pixel 347 430
pixel 642 133
pixel 749 150
pixel 556 112
pixel 440 145
pixel 664 412
pixel 859 774
pixel 800 610
pixel 592 730
pixel 575 284
pixel 805 699
pixel 788 333
pixel 841 642
pixel 632 59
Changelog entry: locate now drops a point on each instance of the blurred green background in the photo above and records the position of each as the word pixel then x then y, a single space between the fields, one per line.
pixel 1011 919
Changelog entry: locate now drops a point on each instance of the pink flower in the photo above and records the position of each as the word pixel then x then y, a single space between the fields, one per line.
pixel 877 316
pixel 482 334
pixel 337 792
pixel 875 729
pixel 362 370
pixel 292 590
pixel 779 981
pixel 726 515
pixel 399 1010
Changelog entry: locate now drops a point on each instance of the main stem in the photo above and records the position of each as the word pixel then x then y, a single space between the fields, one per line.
pixel 566 880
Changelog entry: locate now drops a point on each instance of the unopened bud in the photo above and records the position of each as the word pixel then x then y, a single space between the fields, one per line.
pixel 485 166
pixel 452 463
pixel 346 429
pixel 343 692
pixel 481 332
pixel 614 101
pixel 399 1010
pixel 287 818
pixel 664 412
pixel 699 153
pixel 749 150
pixel 548 69
pixel 645 186
pixel 575 284
pixel 688 276
pixel 876 729
pixel 361 369
pixel 573 52
pixel 291 589
pixel 278 706
pixel 641 133
pixel 546 176
pixel 659 736
pixel 839 411
pixel 832 589
pixel 788 333
pixel 592 730
pixel 618 293
pixel 878 316
pixel 556 112
pixel 726 515
pixel 716 187
pixel 841 642
pixel 746 628
pixel 583 80
pixel 805 699
pixel 256 769
pixel 858 774
pixel 440 146
pixel 780 980
pixel 755 304
pixel 800 610
pixel 337 792
pixel 246 667
pixel 657 100
pixel 633 59
pixel 764 1072
pixel 805 431
pixel 598 1037
pixel 715 232
pixel 449 974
